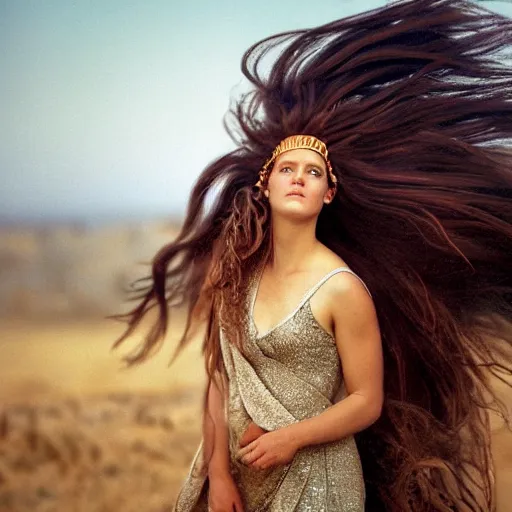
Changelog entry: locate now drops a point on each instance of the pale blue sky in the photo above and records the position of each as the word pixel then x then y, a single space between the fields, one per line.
pixel 110 109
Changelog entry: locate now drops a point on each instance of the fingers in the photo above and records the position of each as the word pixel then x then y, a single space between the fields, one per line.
pixel 252 432
pixel 250 453
pixel 246 449
pixel 255 456
pixel 252 456
pixel 257 459
pixel 261 463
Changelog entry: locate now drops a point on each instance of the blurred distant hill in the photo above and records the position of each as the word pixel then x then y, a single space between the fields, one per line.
pixel 74 271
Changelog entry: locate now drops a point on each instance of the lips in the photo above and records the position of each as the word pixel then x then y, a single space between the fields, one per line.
pixel 295 193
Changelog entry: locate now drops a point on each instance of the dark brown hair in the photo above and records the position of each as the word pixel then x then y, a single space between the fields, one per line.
pixel 414 104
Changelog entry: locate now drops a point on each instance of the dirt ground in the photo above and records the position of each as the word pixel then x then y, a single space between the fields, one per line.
pixel 80 433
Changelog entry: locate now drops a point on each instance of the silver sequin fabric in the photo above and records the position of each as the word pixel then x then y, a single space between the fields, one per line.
pixel 287 374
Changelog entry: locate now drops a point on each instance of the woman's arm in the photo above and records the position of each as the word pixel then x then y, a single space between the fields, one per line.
pixel 217 430
pixel 360 349
pixel 223 493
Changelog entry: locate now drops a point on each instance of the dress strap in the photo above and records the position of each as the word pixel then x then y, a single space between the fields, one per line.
pixel 313 290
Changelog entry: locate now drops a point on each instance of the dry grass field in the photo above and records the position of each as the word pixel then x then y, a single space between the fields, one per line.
pixel 80 433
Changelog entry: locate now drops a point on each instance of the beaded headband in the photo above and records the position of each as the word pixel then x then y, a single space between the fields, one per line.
pixel 297 142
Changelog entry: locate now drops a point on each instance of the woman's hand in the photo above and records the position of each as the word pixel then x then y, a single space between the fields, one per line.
pixel 275 448
pixel 252 432
pixel 223 494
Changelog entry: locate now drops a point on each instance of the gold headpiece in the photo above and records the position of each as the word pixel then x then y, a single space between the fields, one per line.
pixel 297 142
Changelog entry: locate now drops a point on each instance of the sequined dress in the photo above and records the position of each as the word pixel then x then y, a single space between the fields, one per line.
pixel 288 373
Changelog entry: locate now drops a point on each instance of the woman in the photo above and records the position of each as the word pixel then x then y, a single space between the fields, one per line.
pixel 389 129
pixel 303 309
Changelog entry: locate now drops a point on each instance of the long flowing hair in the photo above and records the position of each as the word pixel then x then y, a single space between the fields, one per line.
pixel 413 100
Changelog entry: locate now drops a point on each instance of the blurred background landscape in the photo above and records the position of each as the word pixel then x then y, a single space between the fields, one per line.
pixel 78 430
pixel 109 112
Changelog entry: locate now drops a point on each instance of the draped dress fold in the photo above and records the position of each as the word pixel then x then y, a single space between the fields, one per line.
pixel 286 374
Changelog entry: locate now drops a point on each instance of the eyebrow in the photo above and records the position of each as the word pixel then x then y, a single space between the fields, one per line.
pixel 292 162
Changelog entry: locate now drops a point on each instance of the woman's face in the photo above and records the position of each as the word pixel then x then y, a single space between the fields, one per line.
pixel 298 185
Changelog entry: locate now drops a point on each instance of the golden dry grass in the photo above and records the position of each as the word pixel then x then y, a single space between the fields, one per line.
pixel 80 433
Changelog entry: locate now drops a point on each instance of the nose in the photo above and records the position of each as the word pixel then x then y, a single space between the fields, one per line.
pixel 298 177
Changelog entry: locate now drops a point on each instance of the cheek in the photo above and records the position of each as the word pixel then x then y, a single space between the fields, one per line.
pixel 277 181
pixel 319 188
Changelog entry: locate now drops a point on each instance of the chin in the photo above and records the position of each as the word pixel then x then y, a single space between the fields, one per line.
pixel 296 212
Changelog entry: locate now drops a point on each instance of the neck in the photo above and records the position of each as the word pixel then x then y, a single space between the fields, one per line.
pixel 291 242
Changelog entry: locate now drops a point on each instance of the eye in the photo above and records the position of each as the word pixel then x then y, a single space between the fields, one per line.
pixel 316 172
pixel 285 169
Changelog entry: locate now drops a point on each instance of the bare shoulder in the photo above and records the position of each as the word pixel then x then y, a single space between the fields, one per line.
pixel 345 286
pixel 342 297
pixel 342 282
